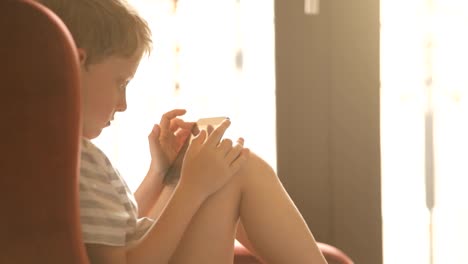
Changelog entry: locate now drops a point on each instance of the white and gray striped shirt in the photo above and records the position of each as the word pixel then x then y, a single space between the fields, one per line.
pixel 109 212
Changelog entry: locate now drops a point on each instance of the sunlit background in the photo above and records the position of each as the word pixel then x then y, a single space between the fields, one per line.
pixel 211 57
pixel 424 47
pixel 216 58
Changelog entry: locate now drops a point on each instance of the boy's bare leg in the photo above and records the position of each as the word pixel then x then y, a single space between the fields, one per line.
pixel 272 223
pixel 210 236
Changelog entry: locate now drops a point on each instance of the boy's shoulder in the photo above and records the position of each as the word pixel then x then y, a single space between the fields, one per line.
pixel 91 154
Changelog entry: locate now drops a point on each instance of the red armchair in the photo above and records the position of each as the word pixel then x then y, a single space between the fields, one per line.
pixel 332 254
pixel 40 114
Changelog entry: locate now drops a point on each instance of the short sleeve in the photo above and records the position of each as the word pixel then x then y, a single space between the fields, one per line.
pixel 104 219
pixel 142 228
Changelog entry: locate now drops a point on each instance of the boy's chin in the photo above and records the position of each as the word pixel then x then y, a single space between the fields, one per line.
pixel 92 134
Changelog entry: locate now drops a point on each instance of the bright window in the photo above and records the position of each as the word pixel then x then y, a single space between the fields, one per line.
pixel 220 55
pixel 424 114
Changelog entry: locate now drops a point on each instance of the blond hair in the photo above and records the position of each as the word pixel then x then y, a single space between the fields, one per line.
pixel 103 28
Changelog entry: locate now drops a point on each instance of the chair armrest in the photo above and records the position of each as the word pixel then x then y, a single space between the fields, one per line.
pixel 332 254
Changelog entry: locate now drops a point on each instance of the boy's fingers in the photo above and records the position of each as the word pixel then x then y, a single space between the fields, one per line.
pixel 235 151
pixel 154 135
pixel 195 130
pixel 165 122
pixel 210 129
pixel 240 160
pixel 225 146
pixel 200 138
pixel 218 133
pixel 183 134
pixel 177 123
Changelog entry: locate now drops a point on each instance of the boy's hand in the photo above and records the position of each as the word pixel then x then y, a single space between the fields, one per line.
pixel 210 162
pixel 167 138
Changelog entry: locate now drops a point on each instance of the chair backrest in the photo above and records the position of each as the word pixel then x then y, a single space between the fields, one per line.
pixel 334 255
pixel 40 137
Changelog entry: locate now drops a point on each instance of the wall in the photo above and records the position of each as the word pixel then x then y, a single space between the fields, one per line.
pixel 327 70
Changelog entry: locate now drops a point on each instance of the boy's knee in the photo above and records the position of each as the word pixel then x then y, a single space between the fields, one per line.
pixel 254 169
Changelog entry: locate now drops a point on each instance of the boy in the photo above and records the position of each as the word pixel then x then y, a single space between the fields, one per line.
pixel 222 185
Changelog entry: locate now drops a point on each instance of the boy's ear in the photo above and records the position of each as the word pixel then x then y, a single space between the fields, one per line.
pixel 82 56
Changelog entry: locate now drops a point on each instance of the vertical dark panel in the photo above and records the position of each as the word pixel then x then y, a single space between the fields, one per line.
pixel 302 72
pixel 327 70
pixel 355 132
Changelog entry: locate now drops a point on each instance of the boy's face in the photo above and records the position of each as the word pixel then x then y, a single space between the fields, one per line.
pixel 104 91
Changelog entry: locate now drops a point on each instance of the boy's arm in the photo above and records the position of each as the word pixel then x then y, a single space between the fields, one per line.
pixel 208 165
pixel 106 254
pixel 148 192
pixel 160 244
pixel 165 141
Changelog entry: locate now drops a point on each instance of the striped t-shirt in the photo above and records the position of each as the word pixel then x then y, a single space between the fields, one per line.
pixel 109 212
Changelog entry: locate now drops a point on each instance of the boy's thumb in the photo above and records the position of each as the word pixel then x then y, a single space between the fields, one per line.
pixel 154 135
